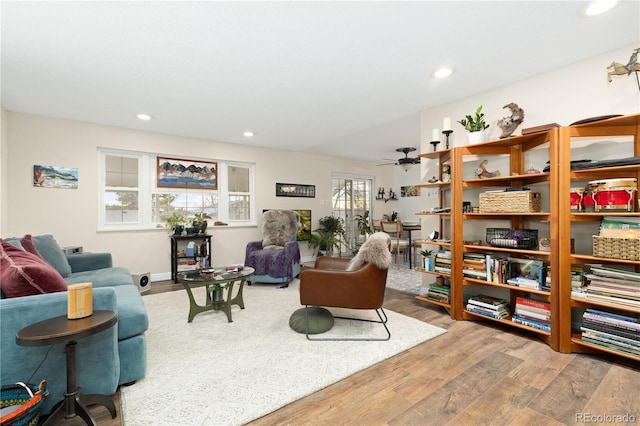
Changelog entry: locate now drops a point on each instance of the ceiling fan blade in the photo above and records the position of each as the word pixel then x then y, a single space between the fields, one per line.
pixel 386 164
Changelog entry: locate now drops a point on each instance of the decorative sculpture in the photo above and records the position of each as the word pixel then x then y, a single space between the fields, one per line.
pixel 509 124
pixel 481 172
pixel 632 66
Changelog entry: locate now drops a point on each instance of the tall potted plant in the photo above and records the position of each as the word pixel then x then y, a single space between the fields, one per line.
pixel 328 236
pixel 476 126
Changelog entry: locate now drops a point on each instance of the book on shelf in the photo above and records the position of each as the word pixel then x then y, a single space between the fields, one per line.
pixel 611 342
pixel 533 323
pixel 532 310
pixel 488 301
pixel 492 313
pixel 620 227
pixel 603 271
pixel 596 327
pixel 624 322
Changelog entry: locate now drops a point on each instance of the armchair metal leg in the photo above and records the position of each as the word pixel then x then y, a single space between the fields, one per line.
pixel 383 320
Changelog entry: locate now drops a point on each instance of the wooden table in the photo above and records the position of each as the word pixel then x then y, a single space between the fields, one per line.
pixel 63 330
pixel 215 280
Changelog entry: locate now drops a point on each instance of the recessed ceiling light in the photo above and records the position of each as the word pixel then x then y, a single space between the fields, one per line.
pixel 248 134
pixel 145 117
pixel 442 72
pixel 596 7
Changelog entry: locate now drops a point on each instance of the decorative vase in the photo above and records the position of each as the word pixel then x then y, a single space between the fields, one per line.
pixel 191 230
pixel 203 227
pixel 477 137
pixel 177 230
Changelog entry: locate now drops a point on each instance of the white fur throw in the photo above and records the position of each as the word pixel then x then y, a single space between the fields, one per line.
pixel 375 250
pixel 278 228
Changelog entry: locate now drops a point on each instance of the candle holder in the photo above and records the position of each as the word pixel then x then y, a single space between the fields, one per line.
pixel 434 143
pixel 447 133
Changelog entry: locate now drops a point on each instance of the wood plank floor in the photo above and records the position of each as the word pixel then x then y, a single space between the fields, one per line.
pixel 478 373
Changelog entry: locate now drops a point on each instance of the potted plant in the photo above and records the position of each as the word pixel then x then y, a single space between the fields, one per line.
pixel 362 221
pixel 428 259
pixel 200 222
pixel 175 223
pixel 476 126
pixel 328 236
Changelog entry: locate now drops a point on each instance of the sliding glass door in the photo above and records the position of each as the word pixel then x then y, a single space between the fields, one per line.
pixel 351 197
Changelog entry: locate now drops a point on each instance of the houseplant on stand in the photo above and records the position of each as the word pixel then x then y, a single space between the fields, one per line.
pixel 200 222
pixel 175 223
pixel 476 126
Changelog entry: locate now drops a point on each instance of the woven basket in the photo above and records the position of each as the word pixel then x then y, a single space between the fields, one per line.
pixel 616 248
pixel 510 202
pixel 27 401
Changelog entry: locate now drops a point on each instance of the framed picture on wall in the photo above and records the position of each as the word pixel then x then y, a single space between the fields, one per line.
pixel 181 173
pixel 55 177
pixel 295 190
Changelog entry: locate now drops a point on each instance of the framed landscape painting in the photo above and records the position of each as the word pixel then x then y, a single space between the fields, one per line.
pixel 55 177
pixel 180 173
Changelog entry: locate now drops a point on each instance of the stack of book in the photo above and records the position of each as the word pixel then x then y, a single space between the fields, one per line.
pixel 613 285
pixel 439 293
pixel 442 262
pixel 474 265
pixel 187 265
pixel 611 330
pixel 488 306
pixel 532 313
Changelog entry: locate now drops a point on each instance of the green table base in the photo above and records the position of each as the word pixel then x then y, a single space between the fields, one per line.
pixel 215 305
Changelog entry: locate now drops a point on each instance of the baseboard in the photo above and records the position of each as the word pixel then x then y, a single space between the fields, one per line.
pixel 162 276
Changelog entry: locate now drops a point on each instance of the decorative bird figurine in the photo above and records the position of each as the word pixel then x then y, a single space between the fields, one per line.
pixel 509 124
pixel 481 171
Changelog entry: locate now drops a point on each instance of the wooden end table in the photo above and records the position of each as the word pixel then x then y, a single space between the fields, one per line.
pixel 216 280
pixel 63 330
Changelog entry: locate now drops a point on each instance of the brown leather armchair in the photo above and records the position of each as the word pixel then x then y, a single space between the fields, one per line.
pixel 329 284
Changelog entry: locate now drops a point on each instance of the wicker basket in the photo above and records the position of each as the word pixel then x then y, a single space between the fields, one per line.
pixel 26 400
pixel 616 248
pixel 510 202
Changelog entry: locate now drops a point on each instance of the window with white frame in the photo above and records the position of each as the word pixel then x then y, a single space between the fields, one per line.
pixel 131 199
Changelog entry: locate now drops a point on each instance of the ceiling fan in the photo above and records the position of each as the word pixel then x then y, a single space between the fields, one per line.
pixel 405 162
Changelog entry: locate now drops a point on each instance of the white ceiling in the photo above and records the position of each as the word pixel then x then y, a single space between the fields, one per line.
pixel 339 78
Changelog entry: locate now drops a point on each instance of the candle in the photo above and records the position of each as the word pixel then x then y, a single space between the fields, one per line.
pixel 435 135
pixel 446 124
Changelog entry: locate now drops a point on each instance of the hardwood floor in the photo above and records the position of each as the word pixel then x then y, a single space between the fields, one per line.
pixel 477 373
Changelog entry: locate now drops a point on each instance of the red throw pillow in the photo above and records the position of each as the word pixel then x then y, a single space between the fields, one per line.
pixel 28 245
pixel 25 274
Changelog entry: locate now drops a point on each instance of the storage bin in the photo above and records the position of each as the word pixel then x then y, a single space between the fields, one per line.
pixel 512 238
pixel 616 248
pixel 510 202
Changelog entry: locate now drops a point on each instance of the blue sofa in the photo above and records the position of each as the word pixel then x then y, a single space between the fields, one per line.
pixel 106 360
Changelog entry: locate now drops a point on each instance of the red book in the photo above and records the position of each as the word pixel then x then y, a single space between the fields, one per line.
pixel 533 303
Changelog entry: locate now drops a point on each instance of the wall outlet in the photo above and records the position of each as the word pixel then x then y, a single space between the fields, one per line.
pixel 431 193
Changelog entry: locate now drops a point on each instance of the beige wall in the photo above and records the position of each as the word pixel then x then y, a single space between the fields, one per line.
pixel 71 215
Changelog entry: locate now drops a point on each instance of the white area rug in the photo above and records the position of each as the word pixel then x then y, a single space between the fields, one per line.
pixel 212 372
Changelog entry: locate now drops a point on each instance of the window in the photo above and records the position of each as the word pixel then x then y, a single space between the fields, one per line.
pixel 131 198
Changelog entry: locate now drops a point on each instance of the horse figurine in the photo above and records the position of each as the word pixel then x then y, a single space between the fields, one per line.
pixel 619 69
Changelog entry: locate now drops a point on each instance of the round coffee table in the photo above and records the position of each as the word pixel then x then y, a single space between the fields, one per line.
pixel 63 330
pixel 215 280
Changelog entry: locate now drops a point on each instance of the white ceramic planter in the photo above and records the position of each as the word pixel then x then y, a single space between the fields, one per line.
pixel 477 137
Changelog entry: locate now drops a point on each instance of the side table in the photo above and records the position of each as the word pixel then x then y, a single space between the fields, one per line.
pixel 63 330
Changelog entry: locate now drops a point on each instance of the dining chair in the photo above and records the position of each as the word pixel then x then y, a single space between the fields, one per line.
pixel 398 244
